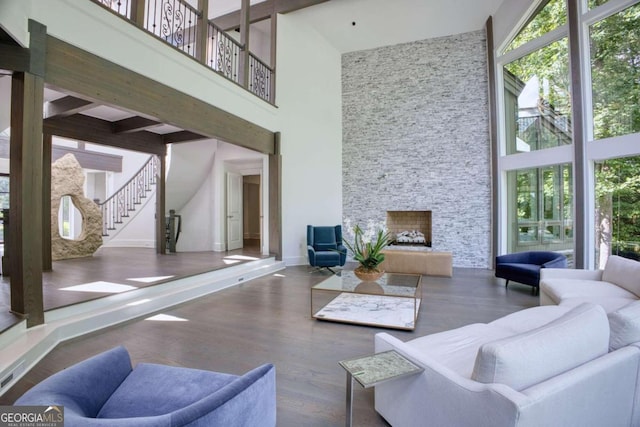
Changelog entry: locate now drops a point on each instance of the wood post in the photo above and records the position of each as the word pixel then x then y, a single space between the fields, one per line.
pixel 161 232
pixel 202 31
pixel 26 155
pixel 245 23
pixel 275 200
pixel 47 151
pixel 137 12
pixel 272 62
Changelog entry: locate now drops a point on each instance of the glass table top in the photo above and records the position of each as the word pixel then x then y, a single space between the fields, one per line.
pixel 391 284
pixel 380 367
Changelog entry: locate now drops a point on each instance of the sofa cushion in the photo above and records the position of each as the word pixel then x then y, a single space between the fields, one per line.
pixel 457 348
pixel 529 358
pixel 157 389
pixel 623 272
pixel 560 289
pixel 531 318
pixel 625 326
pixel 608 303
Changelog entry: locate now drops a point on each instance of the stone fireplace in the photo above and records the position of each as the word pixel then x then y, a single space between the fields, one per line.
pixel 410 228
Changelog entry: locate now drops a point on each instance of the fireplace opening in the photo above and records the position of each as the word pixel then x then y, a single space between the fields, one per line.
pixel 409 228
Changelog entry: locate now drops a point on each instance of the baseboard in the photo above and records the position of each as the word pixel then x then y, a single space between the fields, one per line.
pixel 130 243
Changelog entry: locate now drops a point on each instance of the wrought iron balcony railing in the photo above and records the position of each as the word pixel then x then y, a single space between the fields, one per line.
pixel 117 207
pixel 177 23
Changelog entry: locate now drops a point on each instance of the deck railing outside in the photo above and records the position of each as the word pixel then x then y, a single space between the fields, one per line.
pixel 177 23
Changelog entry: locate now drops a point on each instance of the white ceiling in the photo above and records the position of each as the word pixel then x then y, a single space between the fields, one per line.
pixel 388 22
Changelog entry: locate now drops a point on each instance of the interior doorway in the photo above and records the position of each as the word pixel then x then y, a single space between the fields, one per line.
pixel 252 208
pixel 234 211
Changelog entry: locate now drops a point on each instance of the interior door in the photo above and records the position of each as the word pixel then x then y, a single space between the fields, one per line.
pixel 234 211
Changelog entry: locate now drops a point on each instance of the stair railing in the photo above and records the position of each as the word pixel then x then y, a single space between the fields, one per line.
pixel 122 202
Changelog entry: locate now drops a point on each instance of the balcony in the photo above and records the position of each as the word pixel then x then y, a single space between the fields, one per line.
pixel 184 27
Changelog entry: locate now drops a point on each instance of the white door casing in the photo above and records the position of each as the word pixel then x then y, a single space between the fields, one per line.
pixel 234 211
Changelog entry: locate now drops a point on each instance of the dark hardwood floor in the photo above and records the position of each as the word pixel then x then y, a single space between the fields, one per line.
pixel 268 320
pixel 122 266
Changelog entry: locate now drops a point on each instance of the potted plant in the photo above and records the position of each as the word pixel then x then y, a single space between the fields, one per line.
pixel 367 248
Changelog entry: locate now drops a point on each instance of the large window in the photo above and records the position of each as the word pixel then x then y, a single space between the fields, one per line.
pixel 540 209
pixel 617 209
pixel 552 15
pixel 539 114
pixel 615 73
pixel 537 97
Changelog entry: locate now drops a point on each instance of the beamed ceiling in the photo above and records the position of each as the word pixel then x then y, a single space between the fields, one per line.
pixel 72 117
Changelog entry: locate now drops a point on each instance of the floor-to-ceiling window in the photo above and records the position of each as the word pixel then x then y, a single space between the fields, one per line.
pixel 537 147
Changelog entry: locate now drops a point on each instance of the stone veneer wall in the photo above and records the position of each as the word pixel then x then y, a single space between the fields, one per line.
pixel 416 137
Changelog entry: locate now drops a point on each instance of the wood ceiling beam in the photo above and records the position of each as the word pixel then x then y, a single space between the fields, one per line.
pixel 91 129
pixel 181 136
pixel 67 106
pixel 14 58
pixel 73 70
pixel 134 124
pixel 262 11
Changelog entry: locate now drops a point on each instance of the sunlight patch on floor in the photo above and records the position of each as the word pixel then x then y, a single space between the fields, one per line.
pixel 241 257
pixel 149 279
pixel 102 287
pixel 166 318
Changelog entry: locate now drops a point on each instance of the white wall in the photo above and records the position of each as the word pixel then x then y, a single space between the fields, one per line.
pixel 309 95
pixel 188 164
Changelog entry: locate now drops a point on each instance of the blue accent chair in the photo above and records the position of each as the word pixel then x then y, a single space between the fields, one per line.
pixel 105 391
pixel 325 248
pixel 524 267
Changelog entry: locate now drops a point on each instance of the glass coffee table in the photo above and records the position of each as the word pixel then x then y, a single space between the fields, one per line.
pixel 393 301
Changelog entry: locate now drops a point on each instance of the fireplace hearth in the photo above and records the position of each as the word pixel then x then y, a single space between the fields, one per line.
pixel 409 228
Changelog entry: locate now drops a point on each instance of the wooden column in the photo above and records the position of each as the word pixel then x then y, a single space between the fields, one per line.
pixel 26 154
pixel 245 23
pixel 47 145
pixel 275 200
pixel 161 241
pixel 25 170
pixel 202 31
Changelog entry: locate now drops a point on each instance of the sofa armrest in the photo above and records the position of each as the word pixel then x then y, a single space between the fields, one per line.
pixel 568 273
pixel 442 396
pixel 85 386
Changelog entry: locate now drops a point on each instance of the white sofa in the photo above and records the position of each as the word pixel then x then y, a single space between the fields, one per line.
pixel 544 366
pixel 612 288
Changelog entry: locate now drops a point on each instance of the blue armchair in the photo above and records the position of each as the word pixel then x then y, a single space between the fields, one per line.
pixel 325 248
pixel 524 267
pixel 105 391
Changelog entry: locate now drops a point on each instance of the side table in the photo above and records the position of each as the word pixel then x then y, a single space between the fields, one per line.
pixel 375 369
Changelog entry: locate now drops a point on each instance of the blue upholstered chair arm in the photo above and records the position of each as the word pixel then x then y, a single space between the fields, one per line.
pixel 82 388
pixel 250 400
pixel 312 255
pixel 343 254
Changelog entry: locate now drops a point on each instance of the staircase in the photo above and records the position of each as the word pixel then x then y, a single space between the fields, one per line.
pixel 117 208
